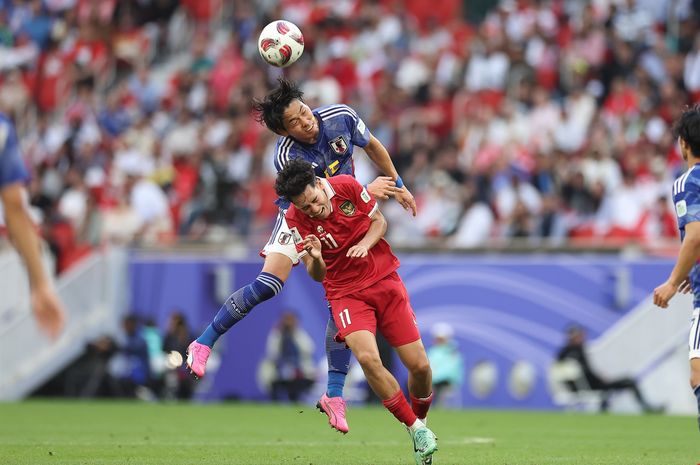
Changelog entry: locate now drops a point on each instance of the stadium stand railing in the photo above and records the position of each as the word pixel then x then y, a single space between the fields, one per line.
pixel 650 345
pixel 93 294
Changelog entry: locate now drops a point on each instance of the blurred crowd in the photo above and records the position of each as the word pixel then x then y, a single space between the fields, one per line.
pixel 532 120
pixel 143 361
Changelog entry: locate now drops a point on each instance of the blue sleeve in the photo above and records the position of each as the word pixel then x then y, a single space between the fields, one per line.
pixel 359 133
pixel 12 167
pixel 285 150
pixel 688 206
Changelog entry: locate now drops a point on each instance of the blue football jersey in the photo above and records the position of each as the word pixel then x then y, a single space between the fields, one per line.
pixel 340 130
pixel 686 198
pixel 12 167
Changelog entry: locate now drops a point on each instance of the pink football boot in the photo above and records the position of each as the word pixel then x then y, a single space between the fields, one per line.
pixel 197 355
pixel 334 407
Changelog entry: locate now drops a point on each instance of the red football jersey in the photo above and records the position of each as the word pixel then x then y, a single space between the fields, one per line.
pixel 351 210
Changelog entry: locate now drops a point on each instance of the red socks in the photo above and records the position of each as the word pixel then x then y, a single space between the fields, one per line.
pixel 421 406
pixel 398 406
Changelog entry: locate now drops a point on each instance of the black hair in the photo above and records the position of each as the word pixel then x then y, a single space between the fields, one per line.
pixel 270 110
pixel 294 177
pixel 688 128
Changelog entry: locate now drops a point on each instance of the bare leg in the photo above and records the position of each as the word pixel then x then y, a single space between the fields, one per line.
pixel 420 376
pixel 279 265
pixel 364 345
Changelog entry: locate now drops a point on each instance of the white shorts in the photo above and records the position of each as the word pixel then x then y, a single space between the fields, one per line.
pixel 694 336
pixel 281 241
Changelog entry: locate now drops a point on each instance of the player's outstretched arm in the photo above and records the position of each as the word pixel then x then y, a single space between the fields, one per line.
pixel 687 257
pixel 377 229
pixel 380 156
pixel 313 260
pixel 47 308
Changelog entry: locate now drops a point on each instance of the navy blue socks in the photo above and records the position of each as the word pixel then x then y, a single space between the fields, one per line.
pixel 338 356
pixel 239 304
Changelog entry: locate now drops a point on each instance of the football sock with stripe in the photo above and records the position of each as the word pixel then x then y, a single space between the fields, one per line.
pixel 421 405
pixel 239 304
pixel 398 406
pixel 338 356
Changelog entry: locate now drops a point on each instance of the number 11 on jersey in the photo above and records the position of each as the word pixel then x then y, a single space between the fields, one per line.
pixel 345 318
pixel 329 241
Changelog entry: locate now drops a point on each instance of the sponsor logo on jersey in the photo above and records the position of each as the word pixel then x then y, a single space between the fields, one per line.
pixel 320 229
pixel 681 208
pixel 361 126
pixel 333 167
pixel 348 208
pixel 295 235
pixel 364 195
pixel 284 238
pixel 339 145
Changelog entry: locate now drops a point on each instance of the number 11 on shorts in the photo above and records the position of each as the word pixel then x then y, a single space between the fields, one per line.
pixel 345 318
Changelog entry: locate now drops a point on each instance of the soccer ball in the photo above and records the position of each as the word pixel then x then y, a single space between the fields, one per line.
pixel 281 43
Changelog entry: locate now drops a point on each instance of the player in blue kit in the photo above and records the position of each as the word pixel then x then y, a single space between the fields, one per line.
pixel 47 308
pixel 686 272
pixel 326 138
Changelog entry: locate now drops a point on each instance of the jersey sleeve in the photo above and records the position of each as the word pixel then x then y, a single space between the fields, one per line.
pixel 285 150
pixel 359 132
pixel 688 205
pixel 12 168
pixel 352 189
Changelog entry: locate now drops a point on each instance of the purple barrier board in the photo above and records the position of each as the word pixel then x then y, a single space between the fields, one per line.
pixel 508 313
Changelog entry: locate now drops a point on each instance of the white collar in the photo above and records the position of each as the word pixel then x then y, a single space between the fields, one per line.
pixel 327 187
pixel 330 192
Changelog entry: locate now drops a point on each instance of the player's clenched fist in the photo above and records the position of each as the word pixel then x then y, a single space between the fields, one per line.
pixel 312 246
pixel 663 294
pixel 667 290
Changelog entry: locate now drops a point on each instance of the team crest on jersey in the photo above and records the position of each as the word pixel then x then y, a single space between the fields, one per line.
pixel 284 238
pixel 339 145
pixel 348 208
pixel 681 208
pixel 320 229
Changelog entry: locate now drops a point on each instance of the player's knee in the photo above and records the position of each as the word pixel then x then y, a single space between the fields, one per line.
pixel 694 379
pixel 369 361
pixel 420 368
pixel 695 373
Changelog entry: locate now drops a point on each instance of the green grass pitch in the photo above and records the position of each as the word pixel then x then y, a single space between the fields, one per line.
pixel 74 432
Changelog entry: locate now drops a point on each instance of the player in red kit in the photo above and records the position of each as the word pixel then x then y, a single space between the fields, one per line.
pixel 338 229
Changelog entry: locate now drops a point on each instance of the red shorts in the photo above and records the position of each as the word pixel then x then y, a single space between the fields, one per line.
pixel 384 306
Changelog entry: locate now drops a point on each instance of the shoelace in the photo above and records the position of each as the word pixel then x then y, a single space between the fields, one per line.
pixel 422 439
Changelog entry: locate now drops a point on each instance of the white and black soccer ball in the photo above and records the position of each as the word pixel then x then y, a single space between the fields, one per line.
pixel 281 43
